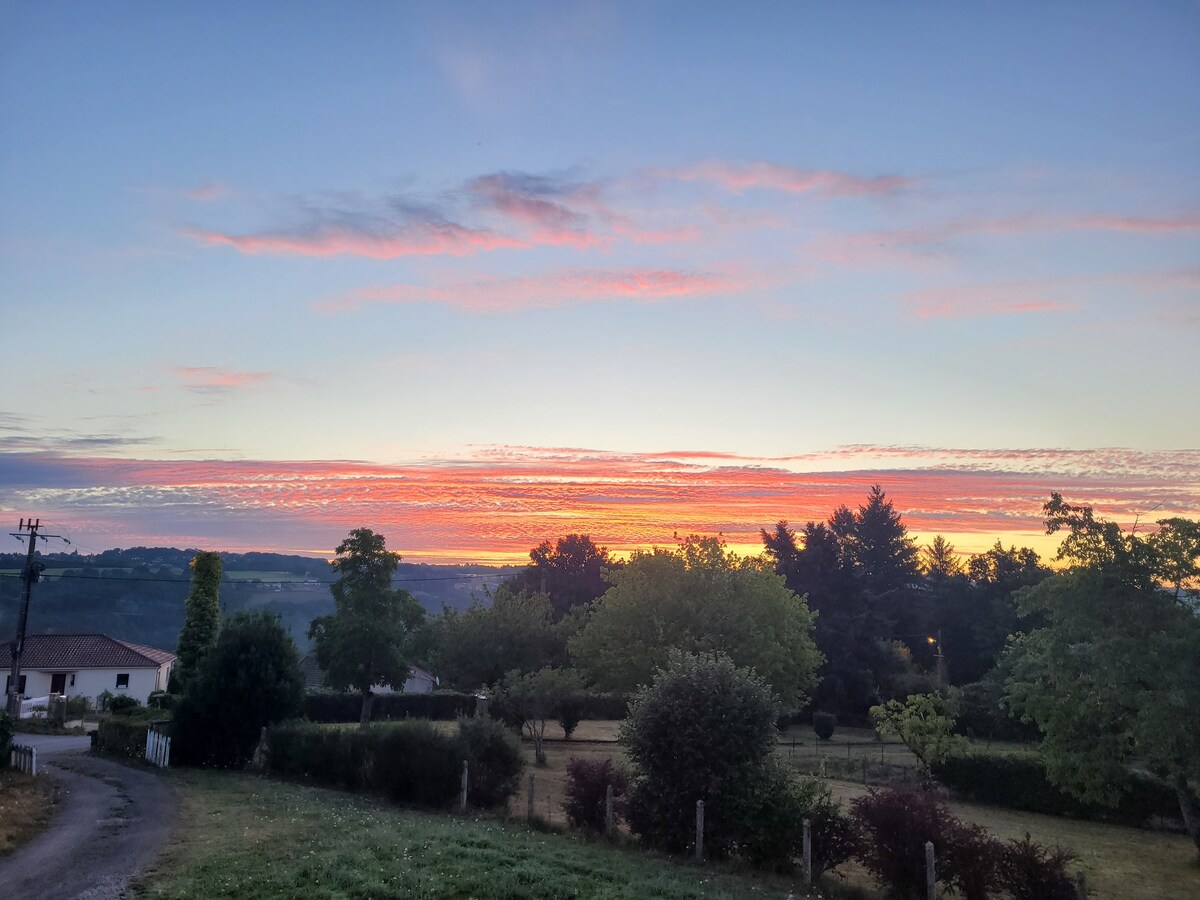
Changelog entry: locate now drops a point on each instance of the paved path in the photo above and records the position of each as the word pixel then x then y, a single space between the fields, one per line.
pixel 52 743
pixel 111 823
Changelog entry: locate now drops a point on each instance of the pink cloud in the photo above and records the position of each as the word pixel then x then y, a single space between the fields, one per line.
pixel 207 192
pixel 741 177
pixel 1141 224
pixel 442 238
pixel 986 300
pixel 557 289
pixel 210 379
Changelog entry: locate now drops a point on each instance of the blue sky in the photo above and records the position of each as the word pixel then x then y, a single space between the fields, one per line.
pixel 875 240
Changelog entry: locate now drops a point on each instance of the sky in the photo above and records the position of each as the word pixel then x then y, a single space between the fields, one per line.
pixel 479 275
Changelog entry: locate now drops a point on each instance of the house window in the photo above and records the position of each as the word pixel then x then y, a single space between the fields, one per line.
pixel 123 681
pixel 8 685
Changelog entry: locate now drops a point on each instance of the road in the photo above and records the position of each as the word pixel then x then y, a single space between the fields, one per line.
pixel 112 821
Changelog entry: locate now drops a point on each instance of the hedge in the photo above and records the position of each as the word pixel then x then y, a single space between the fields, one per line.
pixel 1019 781
pixel 409 762
pixel 122 736
pixel 437 705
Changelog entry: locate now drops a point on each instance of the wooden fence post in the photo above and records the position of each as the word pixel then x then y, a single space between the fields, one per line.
pixel 807 853
pixel 699 831
pixel 608 811
pixel 462 803
pixel 930 871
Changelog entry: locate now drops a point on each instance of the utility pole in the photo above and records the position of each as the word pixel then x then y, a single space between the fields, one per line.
pixel 31 573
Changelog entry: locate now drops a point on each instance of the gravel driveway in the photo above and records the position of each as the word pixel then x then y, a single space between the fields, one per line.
pixel 111 823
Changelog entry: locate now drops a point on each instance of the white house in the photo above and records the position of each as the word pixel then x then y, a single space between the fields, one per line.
pixel 89 664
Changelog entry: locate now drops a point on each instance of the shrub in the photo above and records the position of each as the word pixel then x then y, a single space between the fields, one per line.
pixel 494 758
pixel 970 860
pixel 895 824
pixel 79 705
pixel 163 700
pixel 122 703
pixel 697 732
pixel 587 793
pixel 570 713
pixel 1029 871
pixel 122 736
pixel 770 811
pixel 823 724
pixel 249 679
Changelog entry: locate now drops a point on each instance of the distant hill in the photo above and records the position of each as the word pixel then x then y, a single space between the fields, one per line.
pixel 138 594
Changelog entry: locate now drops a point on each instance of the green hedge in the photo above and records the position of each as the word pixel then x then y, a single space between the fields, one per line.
pixel 439 705
pixel 122 736
pixel 409 762
pixel 1019 781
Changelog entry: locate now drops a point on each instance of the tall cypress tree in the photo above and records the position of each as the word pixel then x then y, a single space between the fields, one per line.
pixel 203 617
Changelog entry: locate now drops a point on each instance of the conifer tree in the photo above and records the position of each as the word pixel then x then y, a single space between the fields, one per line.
pixel 202 620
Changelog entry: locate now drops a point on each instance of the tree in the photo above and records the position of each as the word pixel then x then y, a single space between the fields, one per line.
pixel 924 722
pixel 364 642
pixel 570 573
pixel 477 647
pixel 698 599
pixel 251 678
pixel 880 547
pixel 536 698
pixel 939 562
pixel 1113 677
pixel 202 618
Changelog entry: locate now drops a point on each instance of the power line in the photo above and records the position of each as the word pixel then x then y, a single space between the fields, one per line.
pixel 252 581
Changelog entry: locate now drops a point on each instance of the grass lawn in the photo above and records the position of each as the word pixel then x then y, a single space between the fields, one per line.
pixel 26 804
pixel 248 837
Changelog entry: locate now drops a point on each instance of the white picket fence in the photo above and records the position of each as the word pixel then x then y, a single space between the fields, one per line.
pixel 23 759
pixel 158 749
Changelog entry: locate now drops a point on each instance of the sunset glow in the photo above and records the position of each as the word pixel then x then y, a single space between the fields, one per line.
pixel 482 278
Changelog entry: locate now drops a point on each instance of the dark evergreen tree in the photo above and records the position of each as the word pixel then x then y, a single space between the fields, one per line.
pixel 202 619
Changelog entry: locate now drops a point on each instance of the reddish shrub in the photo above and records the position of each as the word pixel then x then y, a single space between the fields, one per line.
pixel 970 859
pixel 1029 871
pixel 587 789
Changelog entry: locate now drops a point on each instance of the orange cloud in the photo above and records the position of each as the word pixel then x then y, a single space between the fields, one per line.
pixel 556 289
pixel 502 501
pixel 741 177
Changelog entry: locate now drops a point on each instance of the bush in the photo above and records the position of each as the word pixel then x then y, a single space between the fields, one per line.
pixel 416 763
pixel 250 678
pixel 79 705
pixel 122 736
pixel 1029 871
pixel 587 793
pixel 494 760
pixel 823 724
pixel 970 860
pixel 163 700
pixel 122 703
pixel 770 811
pixel 698 732
pixel 896 823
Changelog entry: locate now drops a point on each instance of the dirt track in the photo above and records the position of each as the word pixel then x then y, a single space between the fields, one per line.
pixel 111 823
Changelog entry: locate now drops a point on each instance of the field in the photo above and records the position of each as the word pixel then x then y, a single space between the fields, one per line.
pixel 247 837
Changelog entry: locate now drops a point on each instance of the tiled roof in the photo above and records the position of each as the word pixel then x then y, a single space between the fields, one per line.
pixel 89 651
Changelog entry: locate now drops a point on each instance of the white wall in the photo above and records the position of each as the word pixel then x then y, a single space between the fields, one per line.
pixel 93 682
